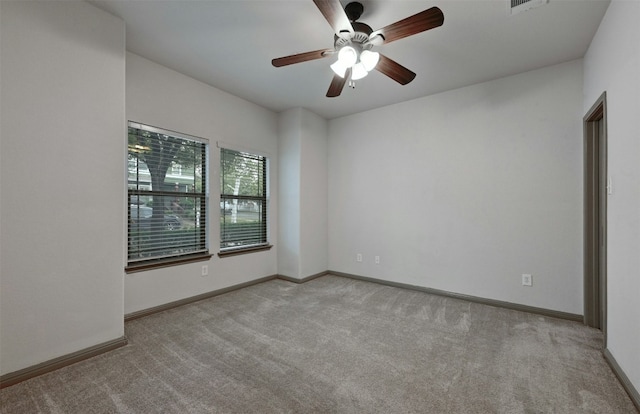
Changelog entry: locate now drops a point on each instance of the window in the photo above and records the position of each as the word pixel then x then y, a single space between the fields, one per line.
pixel 243 201
pixel 176 169
pixel 166 212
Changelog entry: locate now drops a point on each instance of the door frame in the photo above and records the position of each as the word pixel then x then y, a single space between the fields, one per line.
pixel 595 215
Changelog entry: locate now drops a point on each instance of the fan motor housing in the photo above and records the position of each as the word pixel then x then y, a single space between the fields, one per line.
pixel 361 35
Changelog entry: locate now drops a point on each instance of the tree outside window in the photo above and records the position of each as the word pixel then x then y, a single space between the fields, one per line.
pixel 167 195
pixel 243 200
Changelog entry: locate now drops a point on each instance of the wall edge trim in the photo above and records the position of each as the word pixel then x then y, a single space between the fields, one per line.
pixel 622 377
pixel 475 299
pixel 304 279
pixel 42 368
pixel 160 308
pixel 69 359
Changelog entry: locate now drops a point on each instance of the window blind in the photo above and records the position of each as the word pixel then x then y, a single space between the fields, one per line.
pixel 167 194
pixel 243 199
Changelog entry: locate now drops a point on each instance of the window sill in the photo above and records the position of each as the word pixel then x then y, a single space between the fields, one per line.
pixel 246 250
pixel 174 261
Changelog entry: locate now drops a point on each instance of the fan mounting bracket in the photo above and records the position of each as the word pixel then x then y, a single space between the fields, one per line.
pixel 354 10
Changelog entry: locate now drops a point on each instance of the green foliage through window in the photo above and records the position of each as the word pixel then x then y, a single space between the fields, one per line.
pixel 243 200
pixel 167 194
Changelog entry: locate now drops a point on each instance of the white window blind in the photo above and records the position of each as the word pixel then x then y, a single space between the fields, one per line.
pixel 167 195
pixel 243 200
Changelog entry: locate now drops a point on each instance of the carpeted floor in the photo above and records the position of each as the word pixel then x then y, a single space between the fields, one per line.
pixel 336 345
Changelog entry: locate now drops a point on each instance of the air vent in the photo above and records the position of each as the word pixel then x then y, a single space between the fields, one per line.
pixel 517 6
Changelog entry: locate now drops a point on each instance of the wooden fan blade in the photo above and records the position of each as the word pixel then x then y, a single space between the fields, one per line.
pixel 394 70
pixel 301 57
pixel 337 84
pixel 334 13
pixel 417 23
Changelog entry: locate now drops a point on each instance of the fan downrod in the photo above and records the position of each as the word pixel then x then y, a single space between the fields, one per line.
pixel 354 10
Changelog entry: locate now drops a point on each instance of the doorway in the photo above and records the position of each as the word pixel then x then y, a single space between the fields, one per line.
pixel 596 189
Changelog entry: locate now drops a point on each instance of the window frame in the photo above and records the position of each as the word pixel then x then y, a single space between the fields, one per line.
pixel 201 231
pixel 264 199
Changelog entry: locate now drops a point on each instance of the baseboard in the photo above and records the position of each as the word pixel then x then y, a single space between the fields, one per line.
pixel 13 378
pixel 304 279
pixel 65 360
pixel 60 362
pixel 475 299
pixel 622 377
pixel 150 311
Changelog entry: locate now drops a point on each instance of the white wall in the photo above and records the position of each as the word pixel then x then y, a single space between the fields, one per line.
pixel 164 98
pixel 612 64
pixel 303 249
pixel 466 190
pixel 313 195
pixel 63 162
pixel 289 147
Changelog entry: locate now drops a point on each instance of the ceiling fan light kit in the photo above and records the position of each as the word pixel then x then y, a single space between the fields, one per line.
pixel 354 40
pixel 358 72
pixel 369 59
pixel 339 68
pixel 362 63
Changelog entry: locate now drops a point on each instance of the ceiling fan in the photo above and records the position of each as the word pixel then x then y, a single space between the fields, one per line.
pixel 354 41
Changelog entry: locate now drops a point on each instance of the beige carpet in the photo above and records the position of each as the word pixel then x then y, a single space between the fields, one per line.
pixel 336 345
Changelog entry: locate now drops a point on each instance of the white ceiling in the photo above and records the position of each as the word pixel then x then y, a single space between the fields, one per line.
pixel 229 44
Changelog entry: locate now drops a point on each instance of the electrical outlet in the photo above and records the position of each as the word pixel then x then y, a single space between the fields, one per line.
pixel 377 259
pixel 527 280
pixel 205 270
pixel 359 257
